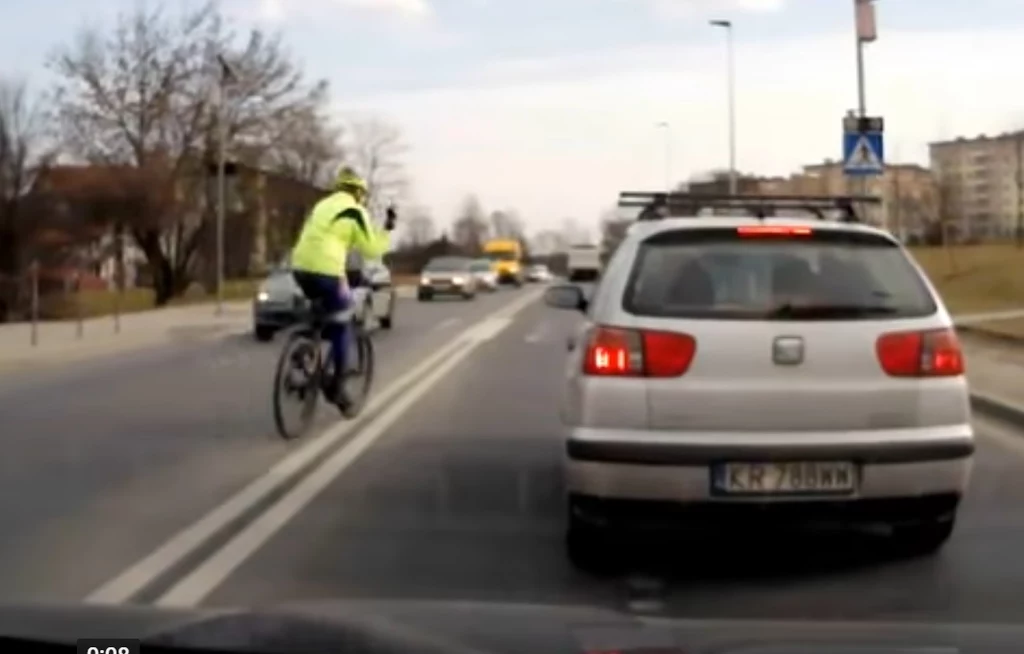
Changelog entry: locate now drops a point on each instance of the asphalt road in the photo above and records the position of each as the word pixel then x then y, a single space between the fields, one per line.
pixel 105 460
pixel 459 499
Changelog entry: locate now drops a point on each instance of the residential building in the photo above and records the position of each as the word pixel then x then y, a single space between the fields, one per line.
pixel 908 191
pixel 264 211
pixel 980 183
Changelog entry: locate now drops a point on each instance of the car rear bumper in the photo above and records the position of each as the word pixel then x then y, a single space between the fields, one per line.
pixel 446 289
pixel 634 515
pixel 273 317
pixel 669 468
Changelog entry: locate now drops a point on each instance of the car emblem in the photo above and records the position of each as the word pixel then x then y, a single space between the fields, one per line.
pixel 788 350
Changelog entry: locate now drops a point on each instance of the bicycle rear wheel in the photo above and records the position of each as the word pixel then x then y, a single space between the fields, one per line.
pixel 360 382
pixel 297 380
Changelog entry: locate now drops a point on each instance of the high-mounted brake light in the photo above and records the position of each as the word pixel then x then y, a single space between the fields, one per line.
pixel 773 230
pixel 615 352
pixel 932 353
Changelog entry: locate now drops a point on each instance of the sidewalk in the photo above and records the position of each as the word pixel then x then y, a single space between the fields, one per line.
pixel 60 341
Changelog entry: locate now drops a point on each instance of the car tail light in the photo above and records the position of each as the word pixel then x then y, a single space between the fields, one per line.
pixel 615 352
pixel 755 231
pixel 932 353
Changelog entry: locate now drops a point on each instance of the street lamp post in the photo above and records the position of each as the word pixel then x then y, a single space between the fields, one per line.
pixel 668 154
pixel 864 18
pixel 727 26
pixel 227 75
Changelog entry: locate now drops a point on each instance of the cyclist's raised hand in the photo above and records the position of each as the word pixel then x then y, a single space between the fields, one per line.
pixel 391 217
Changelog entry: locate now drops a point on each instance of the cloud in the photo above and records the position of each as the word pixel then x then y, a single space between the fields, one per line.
pixel 562 144
pixel 415 9
pixel 691 8
pixel 276 11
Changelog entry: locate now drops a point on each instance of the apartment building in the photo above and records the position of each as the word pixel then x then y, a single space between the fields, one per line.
pixel 910 201
pixel 980 182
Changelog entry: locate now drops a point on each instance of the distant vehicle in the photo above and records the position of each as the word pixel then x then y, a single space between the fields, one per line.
pixel 447 276
pixel 506 256
pixel 584 263
pixel 485 275
pixel 279 300
pixel 538 273
pixel 766 370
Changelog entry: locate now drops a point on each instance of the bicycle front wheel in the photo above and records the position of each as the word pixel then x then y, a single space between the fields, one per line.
pixel 297 385
pixel 360 382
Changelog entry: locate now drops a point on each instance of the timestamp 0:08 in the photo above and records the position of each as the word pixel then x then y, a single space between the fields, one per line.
pixel 109 646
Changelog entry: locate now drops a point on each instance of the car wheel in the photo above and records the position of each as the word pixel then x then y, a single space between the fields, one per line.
pixel 385 321
pixel 263 333
pixel 924 537
pixel 589 549
pixel 424 297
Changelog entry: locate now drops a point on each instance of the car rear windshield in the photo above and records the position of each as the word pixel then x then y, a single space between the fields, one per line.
pixel 804 275
pixel 447 264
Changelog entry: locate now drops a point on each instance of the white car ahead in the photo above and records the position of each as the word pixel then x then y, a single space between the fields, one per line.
pixel 759 371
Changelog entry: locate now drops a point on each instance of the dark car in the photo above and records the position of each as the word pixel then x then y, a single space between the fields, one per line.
pixel 448 276
pixel 279 301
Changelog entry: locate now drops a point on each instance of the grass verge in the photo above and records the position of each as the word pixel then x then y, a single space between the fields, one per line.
pixel 978 279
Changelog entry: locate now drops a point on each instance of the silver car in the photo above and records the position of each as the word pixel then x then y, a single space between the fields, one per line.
pixel 447 276
pixel 485 275
pixel 279 302
pixel 759 371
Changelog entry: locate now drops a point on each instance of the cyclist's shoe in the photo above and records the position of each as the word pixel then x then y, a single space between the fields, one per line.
pixel 336 391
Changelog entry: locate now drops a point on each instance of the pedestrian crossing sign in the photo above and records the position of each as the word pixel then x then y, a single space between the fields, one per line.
pixel 863 153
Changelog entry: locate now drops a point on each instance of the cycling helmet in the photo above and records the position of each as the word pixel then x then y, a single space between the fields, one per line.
pixel 349 180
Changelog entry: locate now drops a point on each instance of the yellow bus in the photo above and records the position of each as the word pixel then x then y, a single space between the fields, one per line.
pixel 506 257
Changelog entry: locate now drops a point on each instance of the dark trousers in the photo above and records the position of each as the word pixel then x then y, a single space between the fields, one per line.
pixel 328 291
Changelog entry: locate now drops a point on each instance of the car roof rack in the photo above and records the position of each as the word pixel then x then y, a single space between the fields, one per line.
pixel 656 205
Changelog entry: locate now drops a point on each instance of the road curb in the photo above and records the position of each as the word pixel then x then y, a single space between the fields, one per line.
pixel 998 408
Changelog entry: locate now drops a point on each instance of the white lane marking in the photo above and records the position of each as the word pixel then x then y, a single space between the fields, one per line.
pixel 445 324
pixel 539 333
pixel 142 573
pixel 194 587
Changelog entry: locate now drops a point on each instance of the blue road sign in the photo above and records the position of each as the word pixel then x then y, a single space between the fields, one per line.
pixel 863 152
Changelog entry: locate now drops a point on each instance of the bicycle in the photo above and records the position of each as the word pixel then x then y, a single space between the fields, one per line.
pixel 305 369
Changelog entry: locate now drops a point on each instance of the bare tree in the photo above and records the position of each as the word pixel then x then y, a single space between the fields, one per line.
pixel 21 134
pixel 946 226
pixel 470 228
pixel 376 149
pixel 142 96
pixel 23 155
pixel 613 232
pixel 418 227
pixel 507 224
pixel 574 232
pixel 549 241
pixel 307 148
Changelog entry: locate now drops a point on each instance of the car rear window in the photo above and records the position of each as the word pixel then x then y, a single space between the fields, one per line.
pixel 447 264
pixel 798 274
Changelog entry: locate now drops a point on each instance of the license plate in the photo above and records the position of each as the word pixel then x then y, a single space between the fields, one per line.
pixel 786 478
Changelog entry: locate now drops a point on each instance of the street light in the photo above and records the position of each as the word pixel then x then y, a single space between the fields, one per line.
pixel 227 75
pixel 727 26
pixel 668 154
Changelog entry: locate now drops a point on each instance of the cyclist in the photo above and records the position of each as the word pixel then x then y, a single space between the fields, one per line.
pixel 339 223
